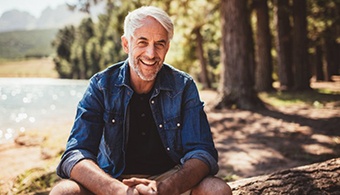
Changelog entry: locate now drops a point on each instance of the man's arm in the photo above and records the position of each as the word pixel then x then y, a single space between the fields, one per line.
pixel 191 173
pixel 89 174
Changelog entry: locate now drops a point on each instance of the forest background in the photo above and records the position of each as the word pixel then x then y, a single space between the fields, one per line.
pixel 236 46
pixel 239 48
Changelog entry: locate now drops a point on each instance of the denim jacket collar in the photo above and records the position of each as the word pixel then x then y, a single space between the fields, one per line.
pixel 124 75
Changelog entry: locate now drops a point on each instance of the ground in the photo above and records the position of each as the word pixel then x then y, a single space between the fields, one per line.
pixel 256 143
pixel 249 143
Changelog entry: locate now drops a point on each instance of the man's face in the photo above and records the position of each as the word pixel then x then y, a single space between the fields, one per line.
pixel 147 49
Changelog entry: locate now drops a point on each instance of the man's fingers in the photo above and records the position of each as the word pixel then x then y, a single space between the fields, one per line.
pixel 147 190
pixel 143 186
pixel 135 181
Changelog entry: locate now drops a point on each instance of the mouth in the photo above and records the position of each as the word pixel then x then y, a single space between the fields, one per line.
pixel 148 63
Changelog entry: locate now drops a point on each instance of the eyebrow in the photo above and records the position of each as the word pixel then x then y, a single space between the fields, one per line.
pixel 160 41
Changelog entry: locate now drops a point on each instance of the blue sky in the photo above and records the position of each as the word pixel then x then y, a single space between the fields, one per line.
pixel 35 7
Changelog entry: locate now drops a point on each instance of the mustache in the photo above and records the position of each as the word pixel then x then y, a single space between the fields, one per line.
pixel 144 58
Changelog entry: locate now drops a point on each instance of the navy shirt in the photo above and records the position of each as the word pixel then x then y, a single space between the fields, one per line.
pixel 145 153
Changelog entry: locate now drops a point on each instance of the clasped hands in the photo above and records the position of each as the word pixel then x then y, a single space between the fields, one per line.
pixel 145 187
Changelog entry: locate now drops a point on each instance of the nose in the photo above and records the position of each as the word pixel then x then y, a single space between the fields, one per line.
pixel 150 51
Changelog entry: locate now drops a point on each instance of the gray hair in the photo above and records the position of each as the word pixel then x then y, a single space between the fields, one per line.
pixel 134 20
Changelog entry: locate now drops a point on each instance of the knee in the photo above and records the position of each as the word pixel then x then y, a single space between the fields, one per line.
pixel 65 187
pixel 212 186
pixel 227 189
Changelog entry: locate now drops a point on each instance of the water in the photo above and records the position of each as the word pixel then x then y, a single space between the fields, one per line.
pixel 32 103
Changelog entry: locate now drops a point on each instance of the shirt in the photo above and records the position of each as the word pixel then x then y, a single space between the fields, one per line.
pixel 144 153
pixel 99 131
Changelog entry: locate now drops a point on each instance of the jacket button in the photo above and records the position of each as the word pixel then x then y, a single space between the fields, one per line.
pixel 168 149
pixel 152 101
pixel 160 126
pixel 178 124
pixel 113 121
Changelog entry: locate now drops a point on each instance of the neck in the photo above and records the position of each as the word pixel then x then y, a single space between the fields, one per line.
pixel 140 86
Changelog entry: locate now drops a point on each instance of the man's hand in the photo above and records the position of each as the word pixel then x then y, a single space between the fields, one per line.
pixel 128 191
pixel 190 174
pixel 143 186
pixel 149 187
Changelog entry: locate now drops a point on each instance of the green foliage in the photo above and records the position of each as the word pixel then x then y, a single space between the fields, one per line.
pixel 37 180
pixel 21 44
pixel 90 47
pixel 95 46
pixel 323 17
pixel 62 44
pixel 189 16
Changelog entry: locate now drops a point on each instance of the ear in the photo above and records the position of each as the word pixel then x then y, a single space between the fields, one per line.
pixel 125 44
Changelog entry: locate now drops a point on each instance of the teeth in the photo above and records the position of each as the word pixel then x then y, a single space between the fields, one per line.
pixel 148 63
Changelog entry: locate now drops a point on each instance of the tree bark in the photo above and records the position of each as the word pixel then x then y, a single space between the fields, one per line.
pixel 237 85
pixel 200 55
pixel 318 178
pixel 331 51
pixel 283 44
pixel 320 76
pixel 264 65
pixel 300 53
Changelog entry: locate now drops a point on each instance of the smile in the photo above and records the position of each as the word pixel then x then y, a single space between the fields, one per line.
pixel 151 63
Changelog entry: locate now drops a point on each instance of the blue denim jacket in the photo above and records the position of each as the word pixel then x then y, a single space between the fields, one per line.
pixel 99 131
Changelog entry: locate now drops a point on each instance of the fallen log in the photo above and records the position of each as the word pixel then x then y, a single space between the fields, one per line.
pixel 319 178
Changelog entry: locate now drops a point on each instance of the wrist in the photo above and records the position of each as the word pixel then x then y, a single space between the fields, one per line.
pixel 119 188
pixel 167 187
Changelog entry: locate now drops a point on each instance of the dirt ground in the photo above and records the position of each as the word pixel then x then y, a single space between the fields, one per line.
pixel 257 143
pixel 249 143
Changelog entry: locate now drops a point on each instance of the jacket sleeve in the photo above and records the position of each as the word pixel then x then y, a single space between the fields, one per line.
pixel 86 132
pixel 197 138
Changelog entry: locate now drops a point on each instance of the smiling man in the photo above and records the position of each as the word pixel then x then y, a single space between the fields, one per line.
pixel 140 127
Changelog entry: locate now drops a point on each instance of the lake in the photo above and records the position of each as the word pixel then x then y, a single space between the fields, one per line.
pixel 33 103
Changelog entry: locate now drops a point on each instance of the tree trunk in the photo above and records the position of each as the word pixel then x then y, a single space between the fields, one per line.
pixel 331 53
pixel 200 55
pixel 300 53
pixel 283 44
pixel 236 88
pixel 264 65
pixel 318 178
pixel 320 76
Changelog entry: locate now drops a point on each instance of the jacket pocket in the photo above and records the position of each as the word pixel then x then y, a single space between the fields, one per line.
pixel 173 129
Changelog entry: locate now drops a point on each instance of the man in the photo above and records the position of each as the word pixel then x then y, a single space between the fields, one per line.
pixel 140 127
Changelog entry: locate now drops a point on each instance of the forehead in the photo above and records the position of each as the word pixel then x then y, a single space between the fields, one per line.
pixel 151 29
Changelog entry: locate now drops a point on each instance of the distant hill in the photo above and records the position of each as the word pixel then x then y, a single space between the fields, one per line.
pixel 50 18
pixel 20 44
pixel 22 34
pixel 16 20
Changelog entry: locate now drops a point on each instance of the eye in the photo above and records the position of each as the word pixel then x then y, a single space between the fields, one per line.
pixel 142 43
pixel 160 45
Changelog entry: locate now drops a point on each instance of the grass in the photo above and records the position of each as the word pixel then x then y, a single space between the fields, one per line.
pixel 316 98
pixel 35 181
